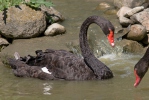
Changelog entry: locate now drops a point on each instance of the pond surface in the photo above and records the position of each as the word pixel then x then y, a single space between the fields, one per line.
pixel 118 88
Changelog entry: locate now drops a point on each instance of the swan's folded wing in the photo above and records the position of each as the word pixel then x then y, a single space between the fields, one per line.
pixel 21 69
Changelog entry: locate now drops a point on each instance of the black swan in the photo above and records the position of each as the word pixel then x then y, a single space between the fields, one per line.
pixel 61 64
pixel 141 68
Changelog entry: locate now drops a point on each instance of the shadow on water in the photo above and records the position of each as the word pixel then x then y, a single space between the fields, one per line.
pixel 118 88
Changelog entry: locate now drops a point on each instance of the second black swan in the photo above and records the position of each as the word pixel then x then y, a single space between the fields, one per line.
pixel 141 68
pixel 60 64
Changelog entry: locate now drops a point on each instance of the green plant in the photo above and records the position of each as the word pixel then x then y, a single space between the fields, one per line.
pixel 38 3
pixel 4 4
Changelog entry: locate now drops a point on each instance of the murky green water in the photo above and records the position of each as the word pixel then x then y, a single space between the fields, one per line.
pixel 118 88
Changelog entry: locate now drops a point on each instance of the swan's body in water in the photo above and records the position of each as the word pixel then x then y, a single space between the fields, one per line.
pixel 61 64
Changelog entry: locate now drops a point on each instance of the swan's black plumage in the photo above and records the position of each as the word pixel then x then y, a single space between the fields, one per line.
pixel 99 69
pixel 141 68
pixel 65 65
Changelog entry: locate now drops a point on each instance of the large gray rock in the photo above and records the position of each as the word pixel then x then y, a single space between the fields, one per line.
pixel 129 3
pixel 122 11
pixel 132 47
pixel 124 21
pixel 142 17
pixel 133 11
pixel 22 22
pixel 137 32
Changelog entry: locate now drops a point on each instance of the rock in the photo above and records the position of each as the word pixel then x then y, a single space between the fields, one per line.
pixel 55 29
pixel 145 40
pixel 145 5
pixel 122 11
pixel 56 16
pixel 137 32
pixel 107 8
pixel 125 21
pixel 110 12
pixel 103 5
pixel 146 24
pixel 22 22
pixel 129 3
pixel 133 11
pixel 125 12
pixel 3 43
pixel 142 17
pixel 132 47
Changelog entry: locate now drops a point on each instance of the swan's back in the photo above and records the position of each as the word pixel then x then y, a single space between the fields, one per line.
pixel 62 64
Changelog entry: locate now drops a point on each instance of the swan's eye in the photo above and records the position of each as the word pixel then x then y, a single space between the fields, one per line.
pixel 111 37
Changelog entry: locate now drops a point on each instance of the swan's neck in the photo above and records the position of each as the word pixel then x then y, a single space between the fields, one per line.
pixel 96 66
pixel 146 55
pixel 85 49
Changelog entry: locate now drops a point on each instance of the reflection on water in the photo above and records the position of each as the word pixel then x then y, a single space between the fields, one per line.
pixel 118 88
pixel 46 89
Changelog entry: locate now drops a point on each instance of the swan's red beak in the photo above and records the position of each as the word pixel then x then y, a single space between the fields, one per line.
pixel 138 79
pixel 111 37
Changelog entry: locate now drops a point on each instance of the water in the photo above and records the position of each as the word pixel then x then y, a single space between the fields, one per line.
pixel 118 88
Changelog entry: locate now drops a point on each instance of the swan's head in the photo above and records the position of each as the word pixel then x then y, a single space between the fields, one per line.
pixel 139 71
pixel 138 79
pixel 110 37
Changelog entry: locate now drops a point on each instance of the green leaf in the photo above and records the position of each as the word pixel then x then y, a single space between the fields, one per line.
pixel 36 5
pixel 33 1
pixel 49 4
pixel 1 7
